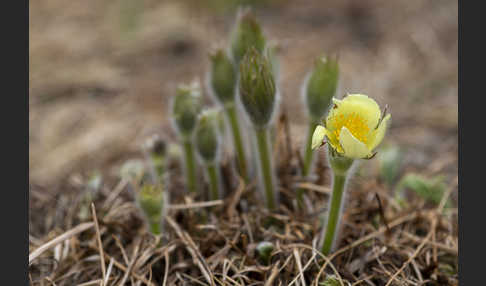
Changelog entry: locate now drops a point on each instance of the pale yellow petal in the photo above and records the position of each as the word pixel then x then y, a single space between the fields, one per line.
pixel 379 133
pixel 318 136
pixel 353 148
pixel 363 105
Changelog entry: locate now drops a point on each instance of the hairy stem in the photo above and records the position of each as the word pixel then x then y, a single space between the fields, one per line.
pixel 335 206
pixel 308 156
pixel 239 148
pixel 213 181
pixel 266 167
pixel 155 227
pixel 190 166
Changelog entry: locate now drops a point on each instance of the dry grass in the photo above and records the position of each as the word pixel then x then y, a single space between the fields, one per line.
pixel 213 243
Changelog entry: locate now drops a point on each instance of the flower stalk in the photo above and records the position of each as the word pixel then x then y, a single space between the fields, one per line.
pixel 190 165
pixel 308 158
pixel 213 177
pixel 185 109
pixel 354 127
pixel 318 91
pixel 258 97
pixel 266 167
pixel 223 82
pixel 232 115
pixel 340 167
pixel 151 200
pixel 207 141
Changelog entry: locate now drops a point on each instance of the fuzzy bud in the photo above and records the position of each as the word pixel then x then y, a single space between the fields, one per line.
pixel 264 249
pixel 321 86
pixel 274 49
pixel 186 107
pixel 247 34
pixel 151 201
pixel 257 88
pixel 223 77
pixel 156 149
pixel 206 135
pixel 155 146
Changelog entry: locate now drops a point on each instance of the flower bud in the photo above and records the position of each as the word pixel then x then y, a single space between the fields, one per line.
pixel 264 249
pixel 274 49
pixel 321 86
pixel 155 146
pixel 206 135
pixel 257 88
pixel 156 151
pixel 151 201
pixel 223 77
pixel 247 34
pixel 186 107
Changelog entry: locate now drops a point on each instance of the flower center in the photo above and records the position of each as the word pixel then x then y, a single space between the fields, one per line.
pixel 354 123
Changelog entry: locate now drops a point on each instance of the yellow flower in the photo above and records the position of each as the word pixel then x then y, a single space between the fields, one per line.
pixel 354 127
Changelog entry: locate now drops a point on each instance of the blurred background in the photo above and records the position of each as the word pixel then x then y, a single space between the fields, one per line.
pixel 102 72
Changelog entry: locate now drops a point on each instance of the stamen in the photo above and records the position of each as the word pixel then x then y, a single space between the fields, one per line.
pixel 354 123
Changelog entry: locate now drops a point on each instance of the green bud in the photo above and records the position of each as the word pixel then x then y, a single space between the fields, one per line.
pixel 186 107
pixel 247 34
pixel 264 250
pixel 159 147
pixel 223 77
pixel 151 201
pixel 206 135
pixel 156 149
pixel 257 88
pixel 321 86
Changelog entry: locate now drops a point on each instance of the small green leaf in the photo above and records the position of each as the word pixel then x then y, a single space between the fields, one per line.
pixel 431 190
pixel 332 280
